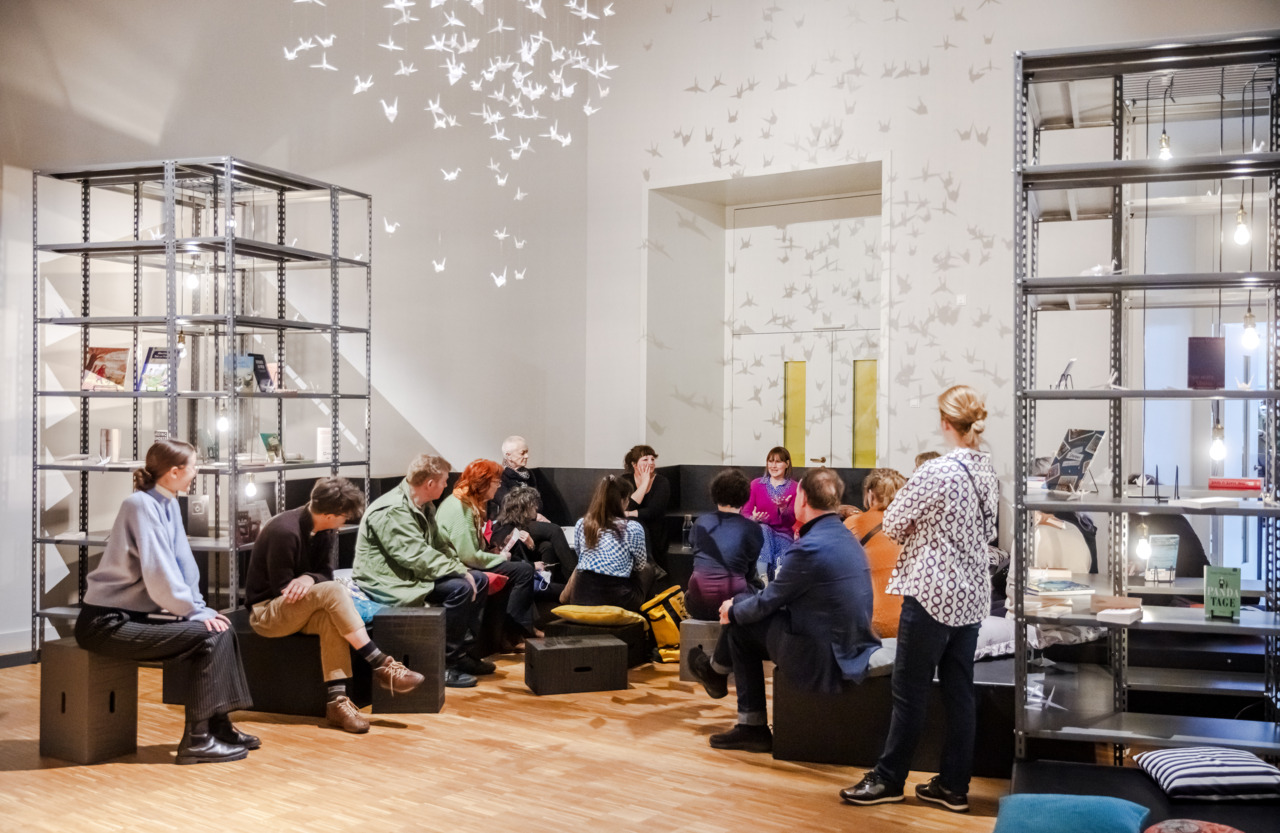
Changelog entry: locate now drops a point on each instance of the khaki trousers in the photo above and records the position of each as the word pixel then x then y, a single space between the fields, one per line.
pixel 326 611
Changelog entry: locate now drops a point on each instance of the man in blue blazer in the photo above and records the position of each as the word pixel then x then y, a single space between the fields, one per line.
pixel 813 620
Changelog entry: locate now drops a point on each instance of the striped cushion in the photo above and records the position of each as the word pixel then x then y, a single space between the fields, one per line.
pixel 1210 773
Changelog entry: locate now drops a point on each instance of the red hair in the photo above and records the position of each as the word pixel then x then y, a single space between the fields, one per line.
pixel 473 485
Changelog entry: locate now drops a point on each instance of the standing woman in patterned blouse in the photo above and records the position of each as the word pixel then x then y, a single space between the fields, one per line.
pixel 944 518
pixel 773 505
pixel 613 565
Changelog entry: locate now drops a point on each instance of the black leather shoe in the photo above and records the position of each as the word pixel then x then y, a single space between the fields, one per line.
pixel 475 666
pixel 935 793
pixel 715 684
pixel 225 731
pixel 455 678
pixel 746 738
pixel 205 748
pixel 872 789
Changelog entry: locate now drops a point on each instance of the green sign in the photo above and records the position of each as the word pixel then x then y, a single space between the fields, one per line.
pixel 1222 593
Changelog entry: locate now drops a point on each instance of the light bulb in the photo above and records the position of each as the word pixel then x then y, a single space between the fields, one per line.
pixel 1144 543
pixel 182 346
pixel 193 281
pixel 1242 235
pixel 1249 339
pixel 223 423
pixel 250 489
pixel 1165 152
pixel 1218 448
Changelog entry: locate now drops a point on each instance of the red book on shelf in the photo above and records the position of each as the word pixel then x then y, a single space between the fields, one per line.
pixel 1236 484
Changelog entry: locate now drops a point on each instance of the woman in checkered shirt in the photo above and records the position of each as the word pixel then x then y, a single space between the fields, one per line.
pixel 613 566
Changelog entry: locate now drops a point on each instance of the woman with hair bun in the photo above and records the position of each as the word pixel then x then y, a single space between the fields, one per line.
pixel 944 517
pixel 143 603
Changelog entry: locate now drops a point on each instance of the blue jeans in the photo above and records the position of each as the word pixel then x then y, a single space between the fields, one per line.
pixel 924 644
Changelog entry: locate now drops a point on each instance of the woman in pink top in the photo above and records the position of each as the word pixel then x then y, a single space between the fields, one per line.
pixel 773 505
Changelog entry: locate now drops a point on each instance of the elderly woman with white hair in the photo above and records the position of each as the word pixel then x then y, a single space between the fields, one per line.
pixel 548 540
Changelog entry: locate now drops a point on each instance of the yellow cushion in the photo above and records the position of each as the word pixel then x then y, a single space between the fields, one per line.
pixel 597 614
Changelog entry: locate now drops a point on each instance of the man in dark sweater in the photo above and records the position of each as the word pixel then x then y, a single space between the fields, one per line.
pixel 290 589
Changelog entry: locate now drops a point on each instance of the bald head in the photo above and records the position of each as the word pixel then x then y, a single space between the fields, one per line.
pixel 515 452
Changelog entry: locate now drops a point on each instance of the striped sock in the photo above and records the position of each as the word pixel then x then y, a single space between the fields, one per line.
pixel 372 655
pixel 337 688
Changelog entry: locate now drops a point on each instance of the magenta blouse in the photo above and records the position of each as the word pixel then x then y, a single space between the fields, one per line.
pixel 778 503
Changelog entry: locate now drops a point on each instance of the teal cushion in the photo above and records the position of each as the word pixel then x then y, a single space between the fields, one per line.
pixel 1049 813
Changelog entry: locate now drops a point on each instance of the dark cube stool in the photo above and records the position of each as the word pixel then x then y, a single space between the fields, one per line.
pixel 415 636
pixel 568 664
pixel 698 632
pixel 635 635
pixel 283 672
pixel 88 704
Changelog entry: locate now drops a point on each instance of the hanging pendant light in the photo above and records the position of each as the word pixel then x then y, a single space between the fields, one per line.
pixel 1144 543
pixel 1249 339
pixel 1166 152
pixel 1243 235
pixel 1218 446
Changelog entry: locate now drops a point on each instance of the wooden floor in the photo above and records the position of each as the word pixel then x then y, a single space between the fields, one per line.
pixel 497 758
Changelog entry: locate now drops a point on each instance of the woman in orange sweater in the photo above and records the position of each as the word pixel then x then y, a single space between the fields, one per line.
pixel 878 490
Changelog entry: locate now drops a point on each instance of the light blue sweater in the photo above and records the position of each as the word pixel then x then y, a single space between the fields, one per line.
pixel 148 565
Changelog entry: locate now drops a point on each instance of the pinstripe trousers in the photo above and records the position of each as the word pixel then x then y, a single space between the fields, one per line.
pixel 209 661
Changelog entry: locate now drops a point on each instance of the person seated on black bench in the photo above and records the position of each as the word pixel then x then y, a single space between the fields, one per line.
pixel 613 566
pixel 402 559
pixel 142 602
pixel 650 496
pixel 290 589
pixel 726 547
pixel 813 620
pixel 519 509
pixel 548 537
pixel 462 518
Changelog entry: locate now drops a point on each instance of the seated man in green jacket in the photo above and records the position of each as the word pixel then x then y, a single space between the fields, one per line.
pixel 402 559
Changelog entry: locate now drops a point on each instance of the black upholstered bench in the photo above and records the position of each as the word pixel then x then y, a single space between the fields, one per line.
pixel 850 728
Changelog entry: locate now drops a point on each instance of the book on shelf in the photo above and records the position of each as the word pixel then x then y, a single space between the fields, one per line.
pixel 1164 554
pixel 1051 608
pixel 262 373
pixel 1222 593
pixel 1236 484
pixel 1206 363
pixel 1123 615
pixel 1058 587
pixel 271 442
pixel 105 368
pixel 1112 602
pixel 1036 573
pixel 241 370
pixel 155 370
pixel 1066 473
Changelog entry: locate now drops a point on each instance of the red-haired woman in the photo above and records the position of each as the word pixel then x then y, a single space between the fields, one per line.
pixel 462 517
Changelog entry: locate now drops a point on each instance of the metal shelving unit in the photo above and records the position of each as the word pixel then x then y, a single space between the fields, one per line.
pixel 1102 88
pixel 199 256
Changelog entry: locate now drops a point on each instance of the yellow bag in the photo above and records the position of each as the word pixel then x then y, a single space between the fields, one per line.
pixel 665 612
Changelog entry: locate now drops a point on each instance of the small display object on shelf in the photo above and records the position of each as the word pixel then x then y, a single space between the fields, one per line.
pixel 1071 463
pixel 1163 558
pixel 241 369
pixel 1206 363
pixel 155 370
pixel 1222 593
pixel 1058 587
pixel 105 368
pixel 271 442
pixel 261 373
pixel 198 516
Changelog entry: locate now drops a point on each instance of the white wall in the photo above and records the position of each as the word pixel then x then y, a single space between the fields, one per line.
pixel 559 356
